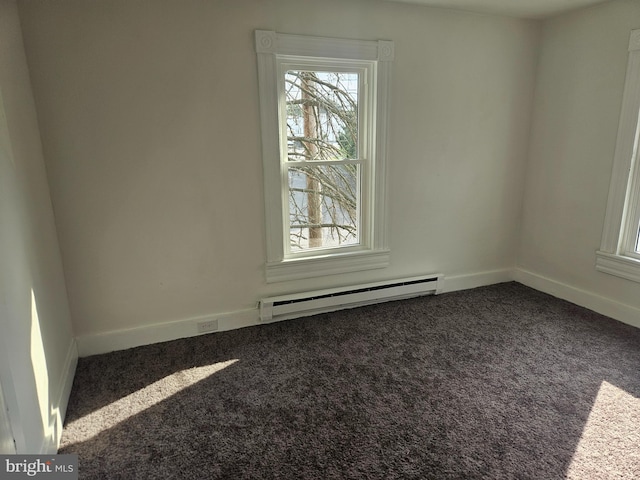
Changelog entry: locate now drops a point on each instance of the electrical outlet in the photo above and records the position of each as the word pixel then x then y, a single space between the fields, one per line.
pixel 207 326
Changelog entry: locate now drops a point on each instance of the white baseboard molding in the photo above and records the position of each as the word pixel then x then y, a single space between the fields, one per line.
pixel 105 342
pixel 480 279
pixel 162 332
pixel 605 306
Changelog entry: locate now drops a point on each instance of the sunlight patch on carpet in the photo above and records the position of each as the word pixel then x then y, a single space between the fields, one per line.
pixel 610 443
pixel 111 415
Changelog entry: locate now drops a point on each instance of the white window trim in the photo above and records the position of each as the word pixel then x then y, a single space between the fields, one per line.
pixel 271 49
pixel 623 207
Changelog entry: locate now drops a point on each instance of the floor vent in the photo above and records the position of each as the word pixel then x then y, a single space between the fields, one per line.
pixel 320 301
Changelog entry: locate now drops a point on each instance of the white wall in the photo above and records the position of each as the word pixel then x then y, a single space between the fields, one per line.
pixel 37 350
pixel 7 442
pixel 150 125
pixel 579 89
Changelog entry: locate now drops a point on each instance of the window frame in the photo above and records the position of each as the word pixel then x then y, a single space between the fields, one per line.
pixel 277 52
pixel 617 255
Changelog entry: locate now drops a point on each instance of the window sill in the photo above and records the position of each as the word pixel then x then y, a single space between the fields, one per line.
pixel 320 266
pixel 618 265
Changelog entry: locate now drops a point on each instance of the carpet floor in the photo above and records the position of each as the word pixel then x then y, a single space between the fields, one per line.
pixel 498 382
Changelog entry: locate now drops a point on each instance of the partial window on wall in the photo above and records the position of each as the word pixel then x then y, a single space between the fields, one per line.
pixel 619 252
pixel 324 109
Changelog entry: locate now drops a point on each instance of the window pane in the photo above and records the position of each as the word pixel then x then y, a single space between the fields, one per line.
pixel 323 206
pixel 322 115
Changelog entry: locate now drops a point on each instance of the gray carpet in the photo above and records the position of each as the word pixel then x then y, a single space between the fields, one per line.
pixel 499 382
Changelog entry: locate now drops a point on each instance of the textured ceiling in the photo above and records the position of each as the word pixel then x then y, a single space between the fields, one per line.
pixel 515 8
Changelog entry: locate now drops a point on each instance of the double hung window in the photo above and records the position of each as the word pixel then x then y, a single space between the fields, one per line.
pixel 326 159
pixel 619 252
pixel 324 109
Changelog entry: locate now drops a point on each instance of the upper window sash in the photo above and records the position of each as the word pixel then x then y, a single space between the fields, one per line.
pixel 366 72
pixel 617 254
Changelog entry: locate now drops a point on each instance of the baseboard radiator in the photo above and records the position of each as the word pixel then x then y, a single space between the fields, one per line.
pixel 310 303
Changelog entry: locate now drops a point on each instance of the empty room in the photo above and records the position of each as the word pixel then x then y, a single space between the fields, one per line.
pixel 306 239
